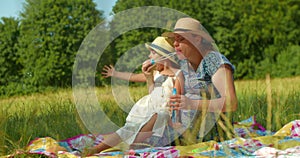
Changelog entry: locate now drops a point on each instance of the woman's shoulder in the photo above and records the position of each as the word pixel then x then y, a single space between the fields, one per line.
pixel 213 55
pixel 213 60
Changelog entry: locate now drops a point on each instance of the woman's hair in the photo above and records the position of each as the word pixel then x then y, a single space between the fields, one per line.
pixel 206 46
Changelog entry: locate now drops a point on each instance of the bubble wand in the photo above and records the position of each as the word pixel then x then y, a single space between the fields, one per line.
pixel 153 61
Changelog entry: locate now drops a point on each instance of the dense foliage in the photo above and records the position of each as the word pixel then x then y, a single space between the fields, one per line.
pixel 10 70
pixel 38 49
pixel 258 37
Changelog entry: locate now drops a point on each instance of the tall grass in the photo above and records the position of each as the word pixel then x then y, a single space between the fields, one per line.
pixel 285 101
pixel 54 114
pixel 37 115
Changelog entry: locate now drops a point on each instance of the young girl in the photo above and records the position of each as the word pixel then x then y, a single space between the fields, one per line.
pixel 150 115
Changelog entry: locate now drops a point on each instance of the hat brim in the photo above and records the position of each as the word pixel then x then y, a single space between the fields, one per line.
pixel 168 34
pixel 172 34
pixel 150 46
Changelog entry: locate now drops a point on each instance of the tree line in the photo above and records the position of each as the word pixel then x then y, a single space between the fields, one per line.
pixel 38 49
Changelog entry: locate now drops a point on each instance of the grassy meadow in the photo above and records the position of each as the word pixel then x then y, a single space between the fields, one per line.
pixel 54 114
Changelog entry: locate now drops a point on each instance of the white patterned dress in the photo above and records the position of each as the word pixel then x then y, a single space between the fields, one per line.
pixel 196 82
pixel 146 107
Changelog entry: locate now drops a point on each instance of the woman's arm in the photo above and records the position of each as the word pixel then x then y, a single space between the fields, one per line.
pixel 179 83
pixel 109 71
pixel 223 81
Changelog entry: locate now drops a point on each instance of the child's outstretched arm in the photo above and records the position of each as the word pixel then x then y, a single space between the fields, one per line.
pixel 109 71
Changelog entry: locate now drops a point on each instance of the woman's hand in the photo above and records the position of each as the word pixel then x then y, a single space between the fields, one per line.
pixel 108 71
pixel 178 102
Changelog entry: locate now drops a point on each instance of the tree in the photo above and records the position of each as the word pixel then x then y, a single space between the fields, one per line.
pixel 148 16
pixel 255 31
pixel 247 33
pixel 50 35
pixel 10 68
pixel 132 30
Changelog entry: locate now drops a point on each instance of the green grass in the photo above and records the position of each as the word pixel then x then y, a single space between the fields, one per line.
pixel 54 114
pixel 252 99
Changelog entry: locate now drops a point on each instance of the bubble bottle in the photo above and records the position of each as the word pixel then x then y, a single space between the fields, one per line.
pixel 174 112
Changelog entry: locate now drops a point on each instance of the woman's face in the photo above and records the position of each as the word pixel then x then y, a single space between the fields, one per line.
pixel 183 47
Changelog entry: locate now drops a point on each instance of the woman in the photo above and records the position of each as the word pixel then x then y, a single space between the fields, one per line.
pixel 209 84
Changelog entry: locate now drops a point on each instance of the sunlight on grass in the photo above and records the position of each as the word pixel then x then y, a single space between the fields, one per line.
pixel 54 114
pixel 252 99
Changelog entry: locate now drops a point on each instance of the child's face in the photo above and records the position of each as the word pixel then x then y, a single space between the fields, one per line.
pixel 153 54
pixel 156 57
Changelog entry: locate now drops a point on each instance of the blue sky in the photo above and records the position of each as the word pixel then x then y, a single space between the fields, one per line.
pixel 12 8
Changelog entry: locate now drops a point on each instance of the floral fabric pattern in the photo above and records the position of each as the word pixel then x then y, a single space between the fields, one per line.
pixel 199 81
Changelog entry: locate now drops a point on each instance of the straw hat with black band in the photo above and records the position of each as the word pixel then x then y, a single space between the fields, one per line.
pixel 163 47
pixel 189 25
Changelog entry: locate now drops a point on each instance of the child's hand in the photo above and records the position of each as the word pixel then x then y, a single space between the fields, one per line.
pixel 108 71
pixel 148 68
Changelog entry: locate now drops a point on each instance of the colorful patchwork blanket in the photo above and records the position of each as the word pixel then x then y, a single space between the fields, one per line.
pixel 251 140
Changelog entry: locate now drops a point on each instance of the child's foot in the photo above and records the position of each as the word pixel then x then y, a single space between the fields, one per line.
pixel 89 151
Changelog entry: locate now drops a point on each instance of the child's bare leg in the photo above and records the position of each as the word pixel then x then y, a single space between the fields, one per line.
pixel 109 141
pixel 146 131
